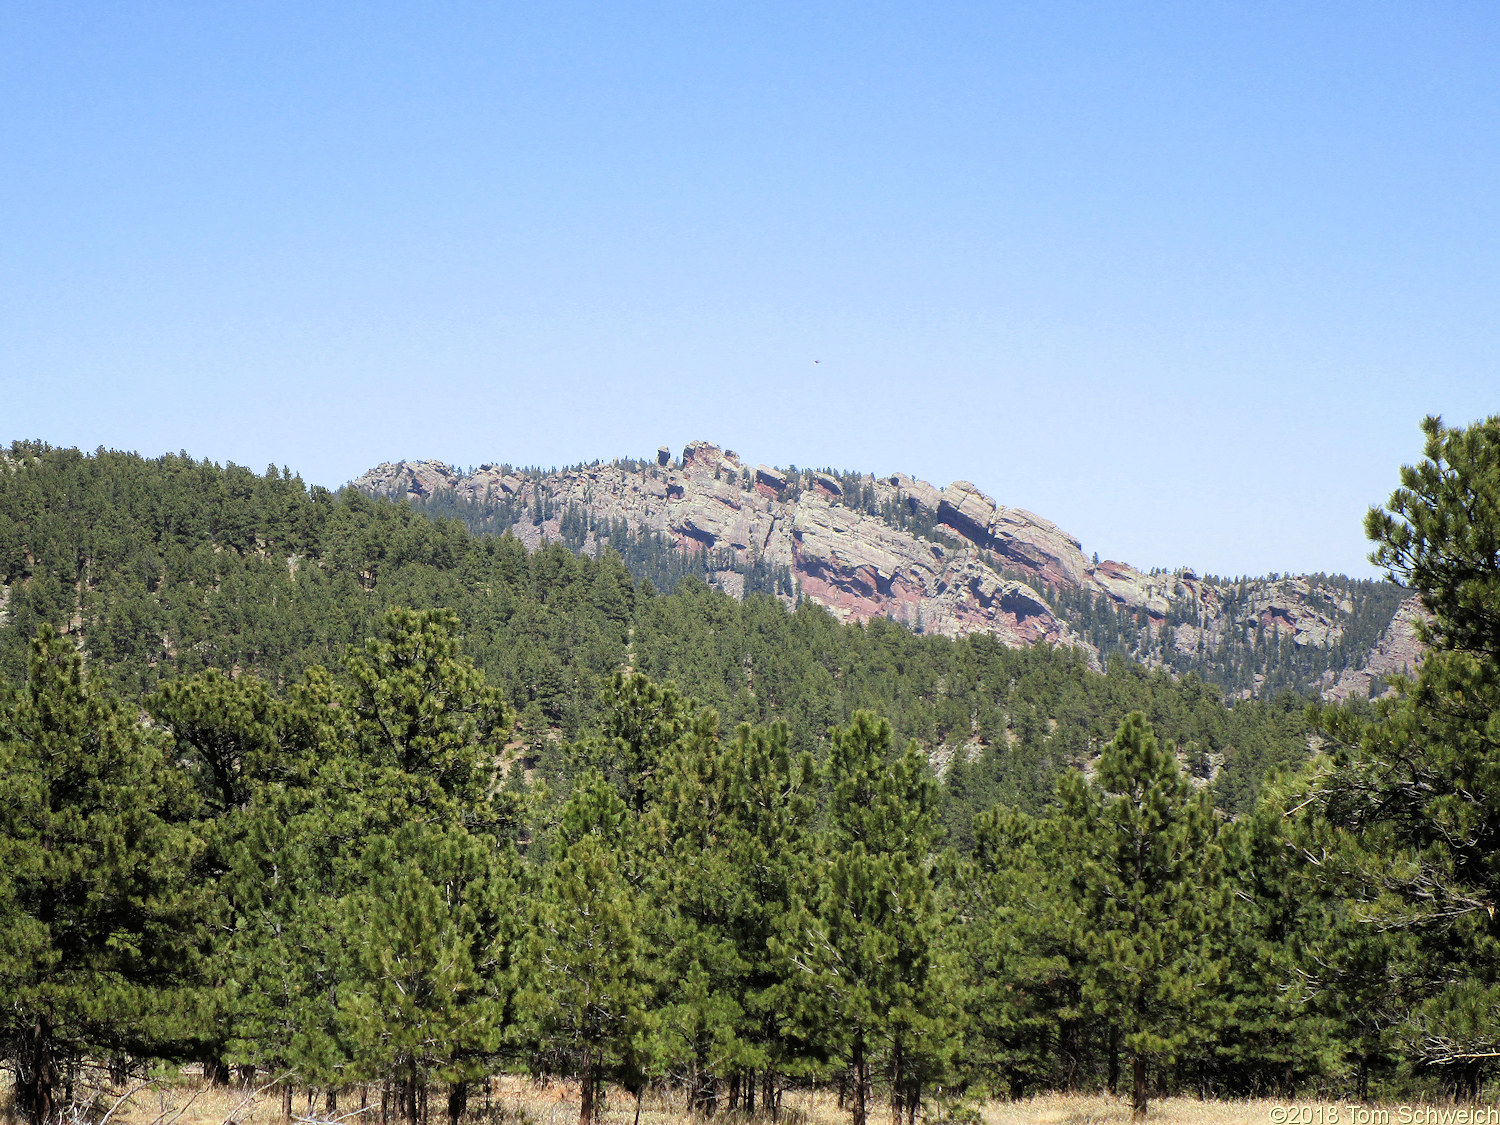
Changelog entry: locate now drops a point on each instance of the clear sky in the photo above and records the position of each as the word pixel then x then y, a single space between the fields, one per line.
pixel 1182 278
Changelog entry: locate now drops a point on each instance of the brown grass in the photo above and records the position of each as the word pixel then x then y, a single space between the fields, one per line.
pixel 514 1100
pixel 509 1100
pixel 1100 1109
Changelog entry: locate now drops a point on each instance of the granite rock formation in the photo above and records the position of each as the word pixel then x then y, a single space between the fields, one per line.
pixel 942 560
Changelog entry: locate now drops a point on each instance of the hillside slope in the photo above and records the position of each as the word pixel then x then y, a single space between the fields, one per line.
pixel 949 561
pixel 162 568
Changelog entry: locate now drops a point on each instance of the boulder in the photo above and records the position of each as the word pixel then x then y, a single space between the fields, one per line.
pixel 919 495
pixel 967 511
pixel 698 455
pixel 769 482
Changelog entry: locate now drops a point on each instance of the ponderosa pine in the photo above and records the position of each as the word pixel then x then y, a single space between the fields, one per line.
pixel 1148 878
pixel 97 917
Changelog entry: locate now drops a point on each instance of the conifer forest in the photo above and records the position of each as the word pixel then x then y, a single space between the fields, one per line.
pixel 316 790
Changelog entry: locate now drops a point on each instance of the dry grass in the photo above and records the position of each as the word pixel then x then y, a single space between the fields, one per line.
pixel 509 1100
pixel 514 1100
pixel 1099 1109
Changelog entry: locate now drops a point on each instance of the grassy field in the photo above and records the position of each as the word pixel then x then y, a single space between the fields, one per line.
pixel 514 1100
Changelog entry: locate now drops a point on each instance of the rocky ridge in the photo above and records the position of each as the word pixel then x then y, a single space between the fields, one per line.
pixel 1396 653
pixel 941 560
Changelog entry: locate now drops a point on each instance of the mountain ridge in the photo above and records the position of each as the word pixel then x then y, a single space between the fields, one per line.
pixel 947 560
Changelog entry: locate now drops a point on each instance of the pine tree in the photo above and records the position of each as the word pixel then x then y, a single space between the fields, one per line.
pixel 291 860
pixel 872 978
pixel 434 928
pixel 730 829
pixel 585 984
pixel 228 738
pixel 1019 943
pixel 97 919
pixel 425 719
pixel 1413 790
pixel 1150 885
pixel 431 905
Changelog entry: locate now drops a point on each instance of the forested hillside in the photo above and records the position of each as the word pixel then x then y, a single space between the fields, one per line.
pixel 164 567
pixel 312 788
pixel 949 561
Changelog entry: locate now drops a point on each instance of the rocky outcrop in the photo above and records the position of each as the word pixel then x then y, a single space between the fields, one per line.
pixel 1397 653
pixel 966 510
pixel 769 482
pixel 981 567
pixel 851 562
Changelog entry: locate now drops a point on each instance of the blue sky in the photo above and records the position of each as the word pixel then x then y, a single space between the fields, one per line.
pixel 1181 277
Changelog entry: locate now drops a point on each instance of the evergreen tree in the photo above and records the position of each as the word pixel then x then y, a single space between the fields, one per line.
pixel 1273 1033
pixel 731 832
pixel 97 919
pixel 1019 943
pixel 1149 880
pixel 228 739
pixel 1413 789
pixel 873 979
pixel 290 863
pixel 585 976
pixel 432 902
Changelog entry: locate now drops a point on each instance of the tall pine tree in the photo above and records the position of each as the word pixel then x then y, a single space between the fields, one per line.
pixel 1149 880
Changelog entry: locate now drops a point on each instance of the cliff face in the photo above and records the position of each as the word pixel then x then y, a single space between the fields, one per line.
pixel 943 560
pixel 1396 653
pixel 848 560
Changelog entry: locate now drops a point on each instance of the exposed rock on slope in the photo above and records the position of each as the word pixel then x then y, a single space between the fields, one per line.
pixel 1397 653
pixel 949 561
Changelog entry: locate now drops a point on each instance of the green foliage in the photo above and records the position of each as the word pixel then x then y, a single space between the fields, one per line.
pixel 98 939
pixel 319 858
pixel 1411 789
pixel 1440 533
pixel 585 966
pixel 1147 874
pixel 871 976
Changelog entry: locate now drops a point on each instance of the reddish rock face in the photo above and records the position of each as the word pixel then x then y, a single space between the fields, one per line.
pixel 769 483
pixel 860 567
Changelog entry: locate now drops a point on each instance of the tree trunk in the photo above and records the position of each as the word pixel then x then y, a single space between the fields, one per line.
pixel 750 1092
pixel 898 1078
pixel 1114 1060
pixel 36 1074
pixel 458 1101
pixel 286 1102
pixel 705 1090
pixel 857 1060
pixel 1068 1052
pixel 409 1095
pixel 1137 1088
pixel 586 1080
